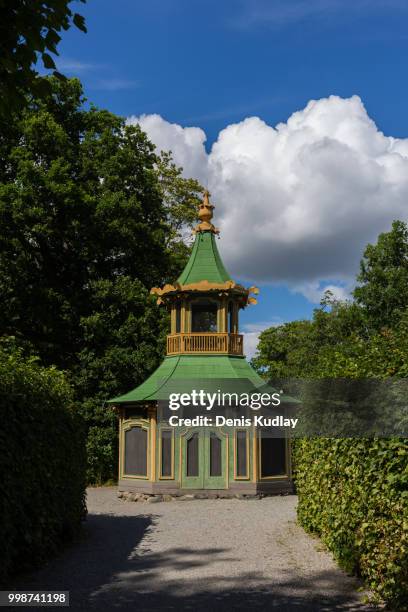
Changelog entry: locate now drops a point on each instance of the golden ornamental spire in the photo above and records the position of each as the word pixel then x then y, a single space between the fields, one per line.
pixel 205 214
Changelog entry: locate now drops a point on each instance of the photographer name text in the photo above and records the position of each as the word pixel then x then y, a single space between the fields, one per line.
pixel 222 421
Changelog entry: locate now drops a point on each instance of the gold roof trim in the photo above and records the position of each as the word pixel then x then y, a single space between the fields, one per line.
pixel 204 286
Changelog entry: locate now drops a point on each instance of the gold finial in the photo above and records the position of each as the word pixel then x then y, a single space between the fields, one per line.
pixel 205 214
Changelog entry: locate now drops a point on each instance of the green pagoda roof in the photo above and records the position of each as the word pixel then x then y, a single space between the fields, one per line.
pixel 190 367
pixel 205 262
pixel 209 371
pixel 204 270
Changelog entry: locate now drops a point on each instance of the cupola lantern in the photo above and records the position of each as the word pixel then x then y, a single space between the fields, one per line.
pixel 205 302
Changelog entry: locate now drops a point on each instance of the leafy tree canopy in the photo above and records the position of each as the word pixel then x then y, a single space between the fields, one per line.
pixel 383 280
pixel 293 349
pixel 81 200
pixel 29 31
pixel 91 218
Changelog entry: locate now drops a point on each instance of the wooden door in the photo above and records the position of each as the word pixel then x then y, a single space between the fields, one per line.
pixel 215 460
pixel 204 459
pixel 192 461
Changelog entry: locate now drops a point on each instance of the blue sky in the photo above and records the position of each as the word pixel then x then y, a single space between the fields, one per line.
pixel 211 64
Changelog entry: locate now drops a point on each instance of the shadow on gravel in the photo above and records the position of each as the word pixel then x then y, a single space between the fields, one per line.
pixel 106 572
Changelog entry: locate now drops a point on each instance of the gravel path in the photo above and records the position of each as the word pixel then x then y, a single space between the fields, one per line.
pixel 196 555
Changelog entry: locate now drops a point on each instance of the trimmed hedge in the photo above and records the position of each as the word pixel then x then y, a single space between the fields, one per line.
pixel 353 493
pixel 42 462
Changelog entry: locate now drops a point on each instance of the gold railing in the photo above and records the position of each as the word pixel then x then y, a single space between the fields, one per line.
pixel 231 344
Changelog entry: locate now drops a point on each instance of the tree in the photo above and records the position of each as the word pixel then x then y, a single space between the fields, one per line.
pixel 294 349
pixel 383 280
pixel 29 30
pixel 86 231
pixel 124 340
pixel 180 198
pixel 285 350
pixel 80 202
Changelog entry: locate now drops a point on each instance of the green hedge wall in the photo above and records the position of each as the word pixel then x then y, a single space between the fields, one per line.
pixel 42 462
pixel 353 493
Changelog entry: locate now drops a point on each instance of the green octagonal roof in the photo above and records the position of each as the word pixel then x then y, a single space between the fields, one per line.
pixel 207 372
pixel 205 262
pixel 181 368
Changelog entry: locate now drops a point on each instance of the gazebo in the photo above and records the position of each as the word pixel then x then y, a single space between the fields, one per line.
pixel 204 344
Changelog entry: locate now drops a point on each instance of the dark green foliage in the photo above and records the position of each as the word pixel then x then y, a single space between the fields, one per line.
pixel 42 461
pixel 384 353
pixel 90 220
pixel 29 30
pixel 124 341
pixel 354 492
pixel 79 202
pixel 383 278
pixel 285 350
pixel 295 348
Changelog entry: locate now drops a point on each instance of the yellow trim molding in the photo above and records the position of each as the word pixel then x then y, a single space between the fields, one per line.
pixel 126 426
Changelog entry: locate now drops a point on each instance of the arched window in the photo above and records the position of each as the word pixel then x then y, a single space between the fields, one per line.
pixel 136 452
pixel 203 316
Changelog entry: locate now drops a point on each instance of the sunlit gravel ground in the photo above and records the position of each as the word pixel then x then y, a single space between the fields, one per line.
pixel 222 554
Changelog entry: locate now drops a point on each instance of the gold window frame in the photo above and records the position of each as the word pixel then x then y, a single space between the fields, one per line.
pixel 126 426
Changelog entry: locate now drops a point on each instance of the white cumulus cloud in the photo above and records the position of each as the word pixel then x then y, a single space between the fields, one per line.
pixel 187 144
pixel 296 203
